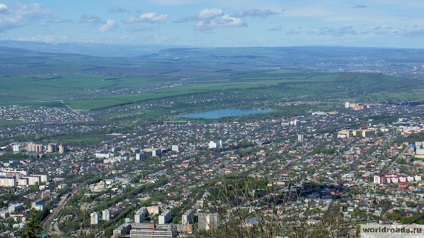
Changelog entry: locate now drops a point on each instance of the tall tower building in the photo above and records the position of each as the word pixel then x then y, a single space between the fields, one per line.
pixel 106 215
pixel 62 148
pixel 94 218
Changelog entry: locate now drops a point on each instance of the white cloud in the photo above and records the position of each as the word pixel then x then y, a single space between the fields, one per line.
pixel 224 21
pixel 3 8
pixel 212 18
pixel 20 15
pixel 151 17
pixel 228 20
pixel 110 25
pixel 262 13
pixel 90 19
pixel 209 13
pixel 410 32
pixel 337 31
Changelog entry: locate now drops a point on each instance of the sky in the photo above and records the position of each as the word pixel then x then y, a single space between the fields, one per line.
pixel 217 23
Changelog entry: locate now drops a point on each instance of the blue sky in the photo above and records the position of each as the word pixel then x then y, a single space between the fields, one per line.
pixel 229 23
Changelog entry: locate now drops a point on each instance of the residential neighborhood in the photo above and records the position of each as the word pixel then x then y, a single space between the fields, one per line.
pixel 163 178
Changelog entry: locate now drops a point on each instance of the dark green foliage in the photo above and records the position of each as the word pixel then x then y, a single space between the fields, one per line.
pixel 417 218
pixel 412 138
pixel 16 156
pixel 235 189
pixel 322 150
pixel 32 227
pixel 234 201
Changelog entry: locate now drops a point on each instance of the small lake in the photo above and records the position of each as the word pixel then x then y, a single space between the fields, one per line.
pixel 223 113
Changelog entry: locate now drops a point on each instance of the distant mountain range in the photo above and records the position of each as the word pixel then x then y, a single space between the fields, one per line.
pixel 406 62
pixel 104 50
pixel 307 53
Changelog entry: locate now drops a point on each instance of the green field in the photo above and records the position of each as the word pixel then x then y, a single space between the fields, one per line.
pixel 254 81
pixel 91 83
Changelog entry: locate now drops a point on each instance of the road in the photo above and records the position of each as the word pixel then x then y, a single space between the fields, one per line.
pixel 47 223
pixel 70 108
pixel 393 162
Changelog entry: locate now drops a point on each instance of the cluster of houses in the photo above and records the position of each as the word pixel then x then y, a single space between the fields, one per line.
pixel 304 149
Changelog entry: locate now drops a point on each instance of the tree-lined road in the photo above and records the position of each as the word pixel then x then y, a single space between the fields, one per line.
pixel 49 219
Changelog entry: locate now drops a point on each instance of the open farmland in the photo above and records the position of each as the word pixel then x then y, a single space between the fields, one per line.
pixel 92 83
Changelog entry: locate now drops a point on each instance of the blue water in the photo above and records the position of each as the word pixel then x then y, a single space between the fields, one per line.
pixel 223 113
